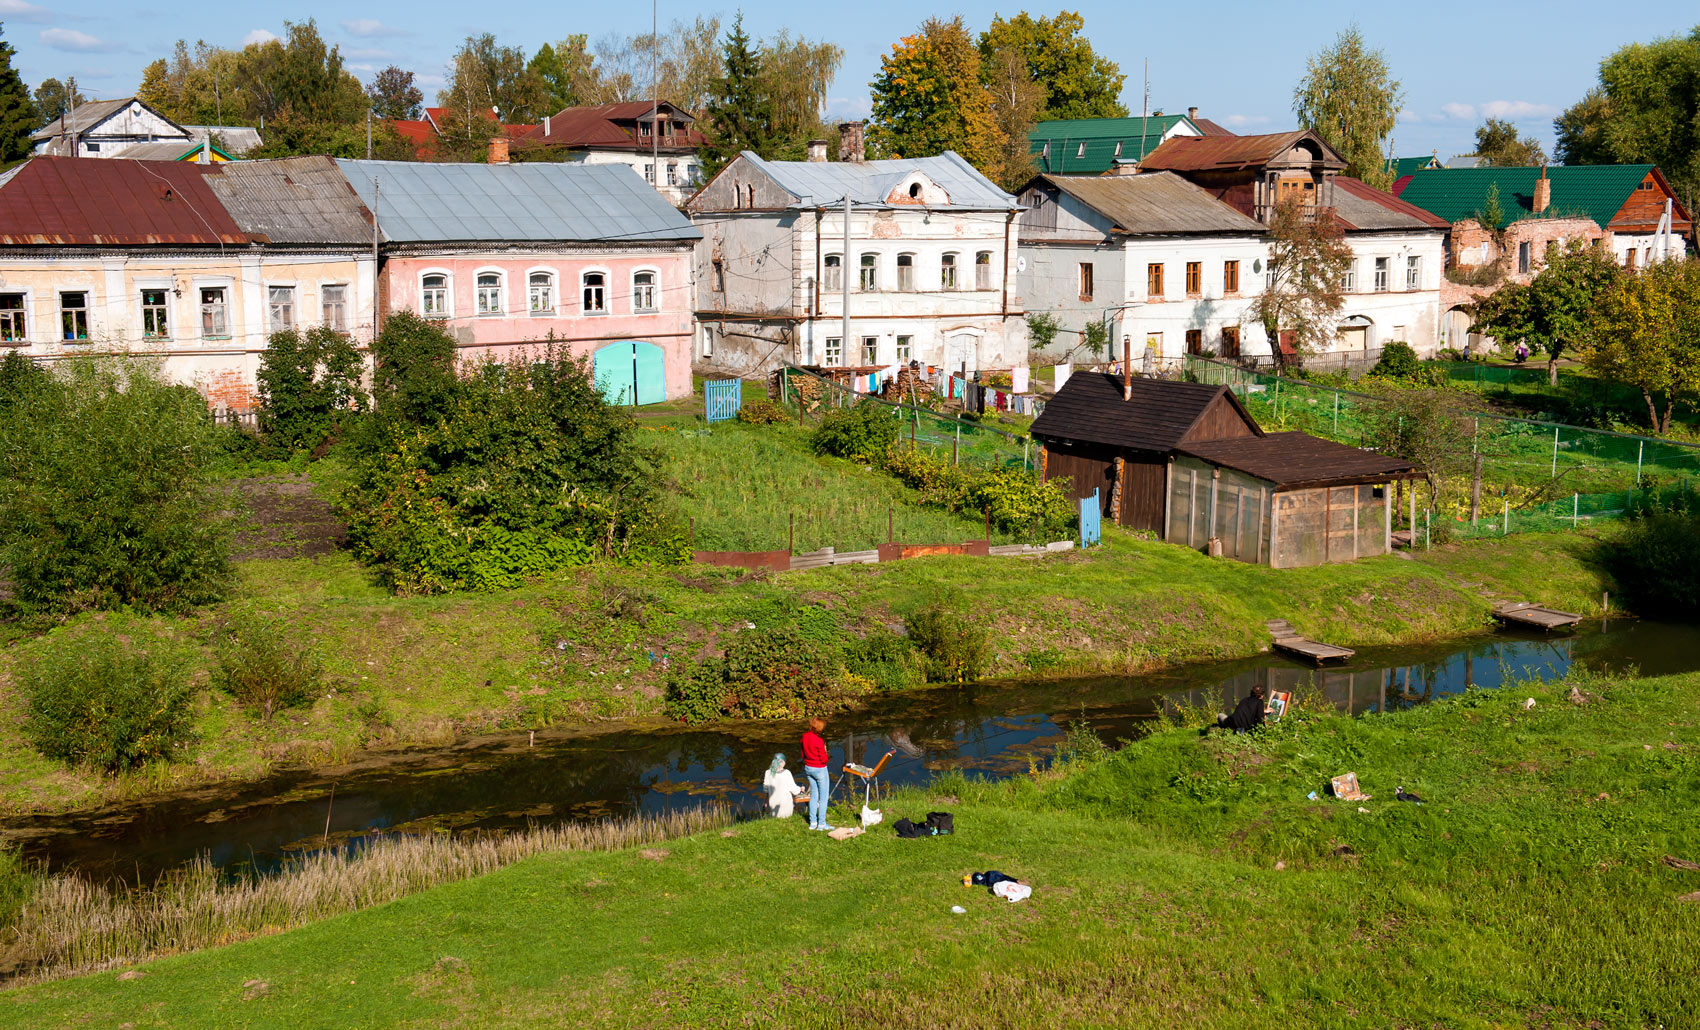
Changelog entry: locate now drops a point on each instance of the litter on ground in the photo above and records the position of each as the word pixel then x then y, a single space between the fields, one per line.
pixel 1345 787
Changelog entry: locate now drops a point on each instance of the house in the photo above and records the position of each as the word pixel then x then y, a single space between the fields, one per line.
pixel 111 128
pixel 1093 146
pixel 1158 260
pixel 639 134
pixel 194 264
pixel 1187 462
pixel 1630 210
pixel 429 133
pixel 1403 166
pixel 510 257
pixel 920 269
pixel 1392 287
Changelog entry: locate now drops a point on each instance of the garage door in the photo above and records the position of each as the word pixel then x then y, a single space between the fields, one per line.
pixel 625 370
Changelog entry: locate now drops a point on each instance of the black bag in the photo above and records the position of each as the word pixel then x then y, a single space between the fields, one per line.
pixel 941 822
pixel 908 829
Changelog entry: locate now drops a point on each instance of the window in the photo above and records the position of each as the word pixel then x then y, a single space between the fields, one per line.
pixel 333 301
pixel 906 272
pixel 1086 280
pixel 1154 281
pixel 672 174
pixel 870 272
pixel 1351 283
pixel 12 326
pixel 1080 151
pixel 1194 278
pixel 540 293
pixel 215 314
pixel 983 270
pixel 1195 341
pixel 643 291
pixel 719 276
pixel 156 322
pixel 905 348
pixel 834 351
pixel 1230 277
pixel 707 342
pixel 833 277
pixel 1523 257
pixel 489 293
pixel 1231 341
pixel 870 350
pixel 74 316
pixel 434 296
pixel 1381 275
pixel 947 272
pixel 94 148
pixel 280 307
pixel 595 293
pixel 1413 273
pixel 649 173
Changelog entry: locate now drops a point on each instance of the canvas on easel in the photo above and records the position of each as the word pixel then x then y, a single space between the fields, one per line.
pixel 1278 704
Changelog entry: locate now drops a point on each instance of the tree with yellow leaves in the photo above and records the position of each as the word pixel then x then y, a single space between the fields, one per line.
pixel 928 98
pixel 1646 334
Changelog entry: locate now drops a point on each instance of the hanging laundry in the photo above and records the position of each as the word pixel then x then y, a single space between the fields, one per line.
pixel 1018 379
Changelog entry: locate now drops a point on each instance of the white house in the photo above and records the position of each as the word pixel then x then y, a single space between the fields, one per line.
pixel 106 128
pixel 927 273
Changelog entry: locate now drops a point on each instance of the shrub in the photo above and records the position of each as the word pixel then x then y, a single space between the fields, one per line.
pixel 1398 361
pixel 763 412
pixel 778 673
pixel 1656 562
pixel 264 667
pixel 106 495
pixel 413 371
pixel 1021 502
pixel 956 650
pixel 106 706
pixel 864 432
pixel 886 659
pixel 18 376
pixel 940 483
pixel 308 384
pixel 697 692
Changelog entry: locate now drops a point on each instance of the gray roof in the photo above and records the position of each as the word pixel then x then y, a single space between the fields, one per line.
pixel 237 139
pixel 542 202
pixel 815 183
pixel 85 117
pixel 1154 203
pixel 293 200
pixel 159 150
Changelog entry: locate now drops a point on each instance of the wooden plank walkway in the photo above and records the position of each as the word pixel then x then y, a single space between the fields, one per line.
pixel 1527 613
pixel 1287 639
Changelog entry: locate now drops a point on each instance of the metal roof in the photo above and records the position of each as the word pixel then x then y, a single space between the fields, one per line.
pixel 237 139
pixel 543 201
pixel 1087 146
pixel 166 150
pixel 1291 460
pixel 1358 205
pixel 70 200
pixel 1205 153
pixel 1597 192
pixel 293 200
pixel 1154 203
pixel 816 183
pixel 1403 166
pixel 85 117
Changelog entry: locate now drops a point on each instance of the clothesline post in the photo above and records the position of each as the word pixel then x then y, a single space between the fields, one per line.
pixel 956 448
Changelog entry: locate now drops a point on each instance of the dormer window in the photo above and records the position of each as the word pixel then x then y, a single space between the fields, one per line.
pixel 915 190
pixel 1080 151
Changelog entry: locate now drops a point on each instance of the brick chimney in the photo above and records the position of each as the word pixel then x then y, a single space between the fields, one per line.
pixel 817 151
pixel 1543 192
pixel 498 150
pixel 1127 367
pixel 1192 113
pixel 850 147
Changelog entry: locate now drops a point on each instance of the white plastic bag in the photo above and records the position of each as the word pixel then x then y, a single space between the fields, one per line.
pixel 870 816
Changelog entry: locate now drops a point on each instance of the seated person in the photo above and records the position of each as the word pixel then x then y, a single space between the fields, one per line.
pixel 1247 716
pixel 782 788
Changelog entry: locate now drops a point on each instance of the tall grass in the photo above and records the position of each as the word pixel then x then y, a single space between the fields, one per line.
pixel 68 925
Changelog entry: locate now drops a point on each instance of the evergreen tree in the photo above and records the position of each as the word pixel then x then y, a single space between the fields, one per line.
pixel 17 109
pixel 740 112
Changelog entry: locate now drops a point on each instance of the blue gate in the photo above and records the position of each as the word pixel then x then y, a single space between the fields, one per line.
pixel 632 373
pixel 1089 510
pixel 722 398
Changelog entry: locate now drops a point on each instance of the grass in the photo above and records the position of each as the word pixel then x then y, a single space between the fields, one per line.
pixel 1177 882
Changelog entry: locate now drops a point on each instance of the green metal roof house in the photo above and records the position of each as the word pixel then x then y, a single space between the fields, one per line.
pixel 1092 146
pixel 1403 166
pixel 1620 198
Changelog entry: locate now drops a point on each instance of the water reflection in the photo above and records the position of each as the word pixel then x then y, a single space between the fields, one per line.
pixel 991 729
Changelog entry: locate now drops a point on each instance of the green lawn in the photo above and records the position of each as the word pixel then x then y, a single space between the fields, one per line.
pixel 1179 882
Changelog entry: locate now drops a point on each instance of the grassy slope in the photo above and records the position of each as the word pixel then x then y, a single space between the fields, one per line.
pixel 1528 892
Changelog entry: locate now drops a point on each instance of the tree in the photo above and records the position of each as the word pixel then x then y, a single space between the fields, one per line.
pixel 1016 100
pixel 1492 214
pixel 799 73
pixel 54 98
pixel 740 113
pixel 680 66
pixel 567 73
pixel 308 384
pixel 491 83
pixel 202 87
pixel 1073 80
pixel 17 109
pixel 299 78
pixel 1646 334
pixel 1497 140
pixel 1554 311
pixel 1308 259
pixel 1429 428
pixel 413 368
pixel 1581 131
pixel 1348 97
pixel 393 95
pixel 928 98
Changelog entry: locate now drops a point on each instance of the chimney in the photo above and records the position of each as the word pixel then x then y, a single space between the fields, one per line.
pixel 1543 192
pixel 850 146
pixel 1192 113
pixel 1124 166
pixel 817 150
pixel 545 125
pixel 498 150
pixel 1127 367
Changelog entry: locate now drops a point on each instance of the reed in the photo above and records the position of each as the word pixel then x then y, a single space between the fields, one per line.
pixel 69 926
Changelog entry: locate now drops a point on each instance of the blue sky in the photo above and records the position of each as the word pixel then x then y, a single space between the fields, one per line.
pixel 1236 62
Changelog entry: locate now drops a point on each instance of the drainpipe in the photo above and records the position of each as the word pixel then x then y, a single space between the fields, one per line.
pixel 844 281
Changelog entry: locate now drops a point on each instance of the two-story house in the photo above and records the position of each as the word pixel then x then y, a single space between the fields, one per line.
pixel 856 263
pixel 658 141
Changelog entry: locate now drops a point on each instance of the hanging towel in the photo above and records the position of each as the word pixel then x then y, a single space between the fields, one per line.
pixel 1018 379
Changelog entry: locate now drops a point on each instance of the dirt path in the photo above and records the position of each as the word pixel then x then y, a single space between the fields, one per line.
pixel 286 519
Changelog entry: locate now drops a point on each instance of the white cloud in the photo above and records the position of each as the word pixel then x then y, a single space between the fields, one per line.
pixel 78 42
pixel 257 36
pixel 370 27
pixel 18 10
pixel 369 54
pixel 1409 116
pixel 1240 121
pixel 849 107
pixel 1517 109
pixel 1462 112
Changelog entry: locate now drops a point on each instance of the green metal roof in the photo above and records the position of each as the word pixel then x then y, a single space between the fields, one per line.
pixel 1403 166
pixel 1597 192
pixel 1101 137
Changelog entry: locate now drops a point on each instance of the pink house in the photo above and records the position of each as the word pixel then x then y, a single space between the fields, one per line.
pixel 516 256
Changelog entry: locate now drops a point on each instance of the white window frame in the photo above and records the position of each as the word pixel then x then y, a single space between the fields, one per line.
pixel 1351 280
pixel 220 307
pixel 480 300
pixel 832 275
pixel 86 310
pixel 654 288
pixel 448 299
pixel 341 322
pixel 834 355
pixel 983 270
pixel 870 350
pixel 163 307
pixel 906 272
pixel 867 272
pixel 905 349
pixel 584 284
pixel 23 313
pixel 1383 272
pixel 273 324
pixel 1413 273
pixel 950 271
pixel 552 292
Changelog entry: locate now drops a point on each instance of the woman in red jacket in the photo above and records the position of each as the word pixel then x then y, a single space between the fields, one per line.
pixel 814 770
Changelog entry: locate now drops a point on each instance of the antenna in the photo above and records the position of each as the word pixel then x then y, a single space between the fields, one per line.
pixel 1145 111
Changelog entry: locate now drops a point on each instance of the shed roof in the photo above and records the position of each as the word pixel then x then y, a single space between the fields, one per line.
pixel 1291 460
pixel 1154 203
pixel 69 200
pixel 542 202
pixel 293 200
pixel 815 183
pixel 1089 409
pixel 1220 153
pixel 1597 192
pixel 1358 205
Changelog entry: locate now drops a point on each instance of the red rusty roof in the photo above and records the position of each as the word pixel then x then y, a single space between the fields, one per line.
pixel 93 202
pixel 1206 153
pixel 598 126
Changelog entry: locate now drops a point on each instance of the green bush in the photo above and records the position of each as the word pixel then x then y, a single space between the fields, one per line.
pixel 107 706
pixel 263 666
pixel 864 432
pixel 696 692
pixel 106 492
pixel 413 368
pixel 1021 502
pixel 18 376
pixel 887 660
pixel 763 412
pixel 308 384
pixel 787 671
pixel 1656 563
pixel 1399 361
pixel 955 648
pixel 941 484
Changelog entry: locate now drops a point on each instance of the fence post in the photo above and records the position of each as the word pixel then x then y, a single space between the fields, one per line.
pixel 791 536
pixel 1505 526
pixel 1575 510
pixel 1640 449
pixel 890 516
pixel 1277 398
pixel 1024 444
pixel 1428 530
pixel 1336 412
pixel 1475 439
pixel 1476 493
pixel 1555 452
pixel 956 448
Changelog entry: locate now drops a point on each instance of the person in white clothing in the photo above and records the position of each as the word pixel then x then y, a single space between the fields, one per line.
pixel 782 788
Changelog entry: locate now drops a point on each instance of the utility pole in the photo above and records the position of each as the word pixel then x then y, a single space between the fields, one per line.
pixel 1145 111
pixel 655 93
pixel 844 281
pixel 368 134
pixel 377 290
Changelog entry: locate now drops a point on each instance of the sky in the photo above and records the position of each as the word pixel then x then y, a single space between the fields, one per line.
pixel 1236 62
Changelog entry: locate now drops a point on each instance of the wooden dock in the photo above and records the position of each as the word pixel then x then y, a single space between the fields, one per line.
pixel 1526 613
pixel 1287 639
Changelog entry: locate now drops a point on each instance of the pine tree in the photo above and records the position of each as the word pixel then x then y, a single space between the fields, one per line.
pixel 740 113
pixel 17 109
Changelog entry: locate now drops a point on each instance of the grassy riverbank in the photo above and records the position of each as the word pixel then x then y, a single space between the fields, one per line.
pixel 1177 882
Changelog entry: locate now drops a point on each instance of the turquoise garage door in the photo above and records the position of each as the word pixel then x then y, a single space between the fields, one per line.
pixel 625 368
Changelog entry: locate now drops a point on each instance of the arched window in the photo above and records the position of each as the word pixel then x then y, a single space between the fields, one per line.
pixel 947 272
pixel 434 296
pixel 541 293
pixel 906 272
pixel 983 270
pixel 595 293
pixel 832 279
pixel 643 291
pixel 490 293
